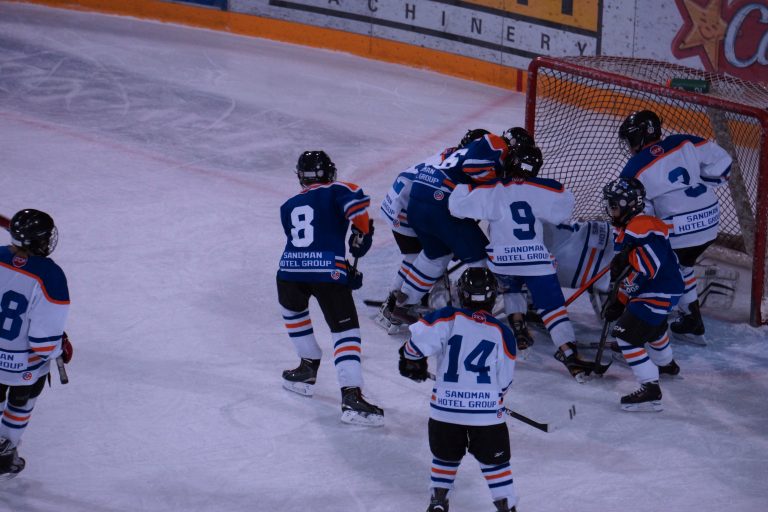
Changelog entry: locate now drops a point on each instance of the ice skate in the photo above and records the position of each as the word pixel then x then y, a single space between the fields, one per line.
pixel 672 369
pixel 439 500
pixel 579 369
pixel 646 399
pixel 690 326
pixel 503 506
pixel 355 410
pixel 10 462
pixel 384 314
pixel 402 313
pixel 302 379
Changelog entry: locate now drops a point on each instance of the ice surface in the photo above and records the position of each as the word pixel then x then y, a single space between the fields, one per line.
pixel 163 153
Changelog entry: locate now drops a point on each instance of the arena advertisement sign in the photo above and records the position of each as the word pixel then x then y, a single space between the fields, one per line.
pixel 499 31
pixel 729 37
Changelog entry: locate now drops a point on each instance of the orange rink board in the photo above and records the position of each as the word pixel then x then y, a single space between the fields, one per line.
pixel 308 35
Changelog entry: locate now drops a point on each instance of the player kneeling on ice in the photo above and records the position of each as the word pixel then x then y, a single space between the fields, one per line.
pixel 313 264
pixel 651 288
pixel 34 301
pixel 475 363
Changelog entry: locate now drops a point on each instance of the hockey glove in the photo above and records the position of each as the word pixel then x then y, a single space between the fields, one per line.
pixel 612 310
pixel 359 242
pixel 355 278
pixel 66 349
pixel 414 369
pixel 619 263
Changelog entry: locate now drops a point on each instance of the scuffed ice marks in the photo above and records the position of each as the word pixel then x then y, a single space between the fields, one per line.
pixel 191 126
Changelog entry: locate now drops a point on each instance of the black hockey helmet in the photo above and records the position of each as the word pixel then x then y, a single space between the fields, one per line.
pixel 472 135
pixel 524 162
pixel 477 289
pixel 34 231
pixel 640 129
pixel 315 167
pixel 517 136
pixel 624 198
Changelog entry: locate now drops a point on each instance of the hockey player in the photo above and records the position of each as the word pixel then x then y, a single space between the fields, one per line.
pixel 679 174
pixel 34 302
pixel 475 363
pixel 516 207
pixel 651 288
pixel 394 211
pixel 313 263
pixel 442 236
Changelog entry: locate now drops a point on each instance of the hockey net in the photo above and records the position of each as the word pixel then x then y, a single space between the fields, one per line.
pixel 575 106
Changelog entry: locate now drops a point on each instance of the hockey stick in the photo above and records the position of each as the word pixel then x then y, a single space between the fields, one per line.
pixel 63 377
pixel 544 427
pixel 586 286
pixel 600 368
pixel 5 222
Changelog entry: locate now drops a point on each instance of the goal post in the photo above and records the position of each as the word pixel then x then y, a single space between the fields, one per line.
pixel 575 105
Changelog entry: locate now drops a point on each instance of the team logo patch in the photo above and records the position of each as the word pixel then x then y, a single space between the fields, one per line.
pixel 26 376
pixel 396 223
pixel 335 275
pixel 478 317
pixel 657 150
pixel 438 195
pixel 19 261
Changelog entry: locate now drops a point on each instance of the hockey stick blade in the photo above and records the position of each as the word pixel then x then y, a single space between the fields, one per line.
pixel 373 303
pixel 544 427
pixel 63 377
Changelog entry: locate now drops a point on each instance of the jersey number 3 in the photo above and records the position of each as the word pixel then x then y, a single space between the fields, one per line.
pixel 475 362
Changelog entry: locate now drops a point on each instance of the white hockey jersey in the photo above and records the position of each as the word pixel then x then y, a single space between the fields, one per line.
pixel 581 250
pixel 474 364
pixel 34 301
pixel 679 174
pixel 394 207
pixel 516 211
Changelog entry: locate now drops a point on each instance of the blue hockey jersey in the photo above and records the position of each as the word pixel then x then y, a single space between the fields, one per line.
pixel 654 283
pixel 482 160
pixel 315 223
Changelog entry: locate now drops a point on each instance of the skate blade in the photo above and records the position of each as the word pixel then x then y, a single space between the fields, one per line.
pixel 523 353
pixel 358 418
pixel 302 388
pixel 582 378
pixel 694 339
pixel 654 406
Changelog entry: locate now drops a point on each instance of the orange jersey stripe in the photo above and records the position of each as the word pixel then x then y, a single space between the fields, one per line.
pixel 299 324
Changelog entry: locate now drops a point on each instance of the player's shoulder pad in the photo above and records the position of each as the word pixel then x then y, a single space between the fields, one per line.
pixel 546 183
pixel 439 315
pixel 677 139
pixel 351 186
pixel 50 276
pixel 642 226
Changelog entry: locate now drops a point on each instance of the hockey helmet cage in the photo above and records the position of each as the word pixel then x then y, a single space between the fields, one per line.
pixel 624 198
pixel 640 129
pixel 477 289
pixel 524 162
pixel 315 167
pixel 517 136
pixel 472 135
pixel 34 231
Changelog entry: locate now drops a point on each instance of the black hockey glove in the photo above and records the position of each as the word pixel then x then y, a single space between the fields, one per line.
pixel 413 369
pixel 359 242
pixel 619 263
pixel 354 278
pixel 612 310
